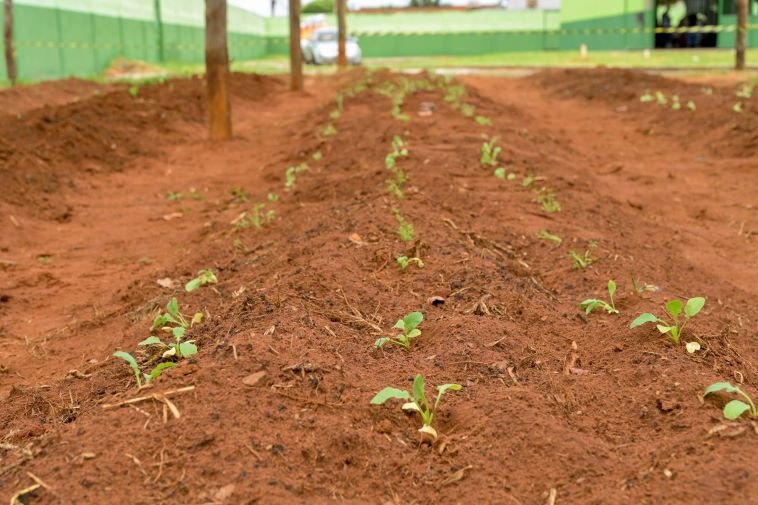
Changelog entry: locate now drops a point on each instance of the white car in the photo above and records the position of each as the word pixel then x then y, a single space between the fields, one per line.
pixel 321 48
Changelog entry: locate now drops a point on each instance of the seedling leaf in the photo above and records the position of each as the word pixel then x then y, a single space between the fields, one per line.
pixel 390 393
pixel 674 307
pixel 158 370
pixel 419 391
pixel 611 288
pixel 720 386
pixel 647 317
pixel 735 409
pixel 152 340
pixel 187 349
pixel 412 320
pixel 694 305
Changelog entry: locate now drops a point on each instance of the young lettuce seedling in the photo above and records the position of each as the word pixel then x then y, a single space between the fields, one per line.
pixel 409 326
pixel 483 120
pixel 490 152
pixel 173 317
pixel 546 198
pixel 546 235
pixel 203 277
pixel 417 401
pixel 734 408
pixel 594 303
pixel 585 260
pixel 179 348
pixel 138 375
pixel 405 230
pixel 674 308
pixel 405 262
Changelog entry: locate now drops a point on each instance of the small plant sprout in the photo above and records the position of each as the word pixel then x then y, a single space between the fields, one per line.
pixel 646 97
pixel 203 277
pixel 173 317
pixel 583 260
pixel 316 156
pixel 290 175
pixel 405 262
pixel 483 120
pixel 134 90
pixel 546 235
pixel 675 104
pixel 527 181
pixel 409 326
pixel 179 347
pixel 239 195
pixel 660 98
pixel 745 92
pixel 594 303
pixel 328 131
pixel 405 230
pixel 691 105
pixel 674 308
pixel 417 401
pixel 174 196
pixel 546 198
pixel 256 217
pixel 737 107
pixel 467 110
pixel 735 408
pixel 272 197
pixel 490 152
pixel 138 374
pixel 707 90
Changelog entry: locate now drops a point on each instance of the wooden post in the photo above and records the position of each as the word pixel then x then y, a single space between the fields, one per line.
pixel 217 70
pixel 296 55
pixel 10 53
pixel 742 15
pixel 341 34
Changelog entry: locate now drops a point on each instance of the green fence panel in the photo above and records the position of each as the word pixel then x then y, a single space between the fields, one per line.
pixel 78 43
pixel 3 73
pixel 728 39
pixel 37 39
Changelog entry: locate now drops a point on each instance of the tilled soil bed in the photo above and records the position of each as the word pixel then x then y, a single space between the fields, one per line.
pixel 556 406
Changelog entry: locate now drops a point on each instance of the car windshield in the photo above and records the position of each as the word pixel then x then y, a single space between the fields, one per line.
pixel 326 36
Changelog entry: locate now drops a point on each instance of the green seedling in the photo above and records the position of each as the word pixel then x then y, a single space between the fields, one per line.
pixel 239 195
pixel 660 98
pixel 138 374
pixel 546 235
pixel 646 97
pixel 405 262
pixel 455 94
pixel 416 401
pixel 335 114
pixel 691 105
pixel 502 174
pixel 409 326
pixel 467 110
pixel 593 303
pixel 329 130
pixel 179 347
pixel 707 90
pixel 490 152
pixel 483 120
pixel 256 217
pixel 583 260
pixel 405 230
pixel 173 317
pixel 316 156
pixel 737 107
pixel 272 197
pixel 675 104
pixel 399 146
pixel 527 181
pixel 546 198
pixel 203 277
pixel 735 408
pixel 290 175
pixel 134 90
pixel 174 196
pixel 394 186
pixel 746 91
pixel 674 308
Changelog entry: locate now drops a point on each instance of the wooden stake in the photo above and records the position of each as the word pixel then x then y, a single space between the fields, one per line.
pixel 742 14
pixel 10 53
pixel 341 34
pixel 296 55
pixel 217 70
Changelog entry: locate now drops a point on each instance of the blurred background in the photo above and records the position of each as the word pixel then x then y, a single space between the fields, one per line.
pixel 86 38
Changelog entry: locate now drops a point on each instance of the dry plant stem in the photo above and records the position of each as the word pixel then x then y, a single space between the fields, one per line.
pixel 161 397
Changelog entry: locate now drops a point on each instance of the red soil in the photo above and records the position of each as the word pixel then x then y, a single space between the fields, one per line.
pixel 553 401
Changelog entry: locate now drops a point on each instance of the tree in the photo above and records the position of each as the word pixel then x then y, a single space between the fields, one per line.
pixel 318 7
pixel 341 34
pixel 217 70
pixel 742 14
pixel 296 55
pixel 10 54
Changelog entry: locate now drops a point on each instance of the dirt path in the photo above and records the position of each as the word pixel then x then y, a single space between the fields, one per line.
pixel 556 406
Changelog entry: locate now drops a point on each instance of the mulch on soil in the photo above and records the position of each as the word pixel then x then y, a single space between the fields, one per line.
pixel 556 407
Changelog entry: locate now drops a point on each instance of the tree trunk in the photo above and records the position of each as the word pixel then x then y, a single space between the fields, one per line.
pixel 217 70
pixel 742 14
pixel 341 34
pixel 10 53
pixel 296 55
